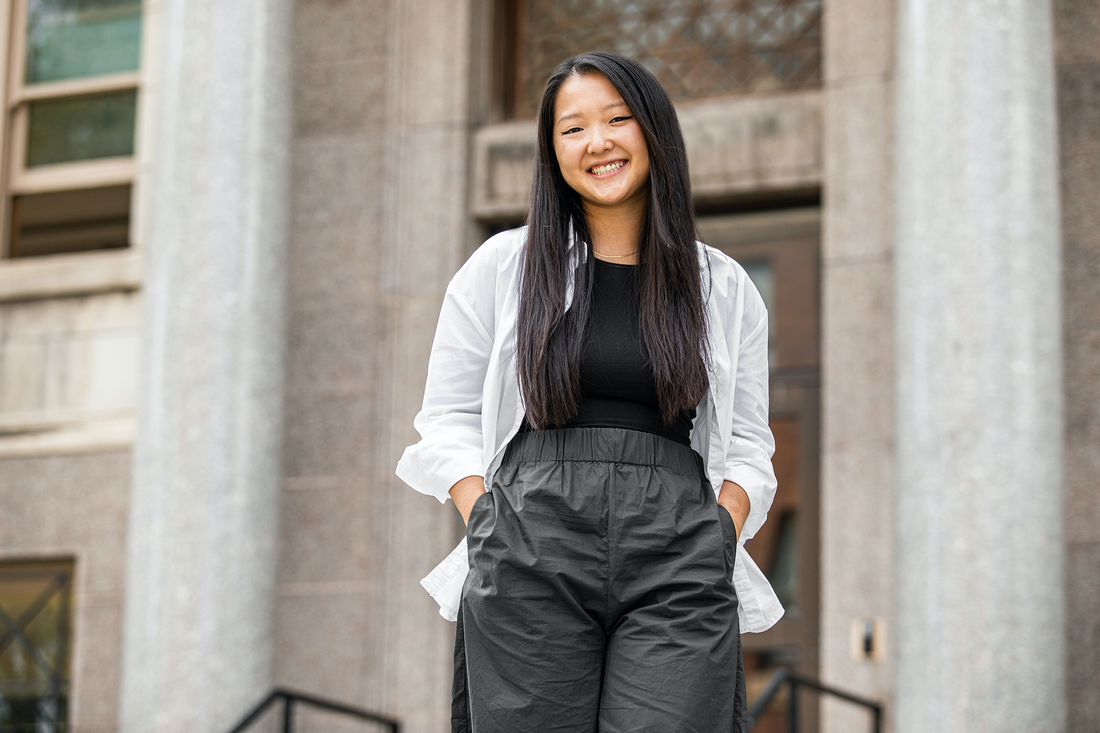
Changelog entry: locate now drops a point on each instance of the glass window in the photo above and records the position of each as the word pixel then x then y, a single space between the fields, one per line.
pixel 81 128
pixel 35 635
pixel 70 221
pixel 696 49
pixel 760 272
pixel 783 573
pixel 68 39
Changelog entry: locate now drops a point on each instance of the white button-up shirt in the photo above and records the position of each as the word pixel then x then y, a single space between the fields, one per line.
pixel 473 407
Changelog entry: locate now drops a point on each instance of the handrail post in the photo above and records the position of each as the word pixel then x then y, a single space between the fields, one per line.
pixel 288 714
pixel 792 705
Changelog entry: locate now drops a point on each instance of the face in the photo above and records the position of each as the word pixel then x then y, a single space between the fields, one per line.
pixel 600 147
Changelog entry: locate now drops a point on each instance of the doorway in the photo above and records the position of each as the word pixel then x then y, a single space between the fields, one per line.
pixel 780 250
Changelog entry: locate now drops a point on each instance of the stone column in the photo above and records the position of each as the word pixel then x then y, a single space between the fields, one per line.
pixel 857 343
pixel 979 414
pixel 204 504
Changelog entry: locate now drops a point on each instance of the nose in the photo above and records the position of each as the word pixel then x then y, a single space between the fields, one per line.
pixel 599 143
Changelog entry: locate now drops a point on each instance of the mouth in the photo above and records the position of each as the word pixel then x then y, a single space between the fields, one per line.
pixel 606 169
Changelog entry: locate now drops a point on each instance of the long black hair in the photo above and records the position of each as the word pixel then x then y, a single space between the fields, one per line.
pixel 669 284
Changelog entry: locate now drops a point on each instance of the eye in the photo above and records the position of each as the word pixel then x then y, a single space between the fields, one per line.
pixel 571 130
pixel 624 118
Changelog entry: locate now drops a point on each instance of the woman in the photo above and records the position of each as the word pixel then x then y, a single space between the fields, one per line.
pixel 593 375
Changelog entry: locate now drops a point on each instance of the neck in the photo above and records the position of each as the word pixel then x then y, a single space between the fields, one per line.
pixel 616 231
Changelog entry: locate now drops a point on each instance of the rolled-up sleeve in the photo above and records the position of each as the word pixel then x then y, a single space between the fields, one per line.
pixel 751 446
pixel 449 421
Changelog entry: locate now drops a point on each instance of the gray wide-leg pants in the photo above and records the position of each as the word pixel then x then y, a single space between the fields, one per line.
pixel 599 596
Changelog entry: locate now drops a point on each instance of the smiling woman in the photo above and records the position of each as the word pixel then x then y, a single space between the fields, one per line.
pixel 609 499
pixel 598 110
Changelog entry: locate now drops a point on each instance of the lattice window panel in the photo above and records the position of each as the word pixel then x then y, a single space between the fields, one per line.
pixel 696 48
pixel 35 654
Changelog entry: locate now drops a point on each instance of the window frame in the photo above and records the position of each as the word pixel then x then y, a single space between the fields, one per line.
pixel 15 178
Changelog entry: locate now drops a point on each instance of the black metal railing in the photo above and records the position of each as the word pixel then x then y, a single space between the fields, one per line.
pixel 785 676
pixel 291 698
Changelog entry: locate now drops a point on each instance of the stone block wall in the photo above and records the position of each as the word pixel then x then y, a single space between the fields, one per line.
pixel 857 276
pixel 1077 59
pixel 74 507
pixel 68 372
pixel 379 227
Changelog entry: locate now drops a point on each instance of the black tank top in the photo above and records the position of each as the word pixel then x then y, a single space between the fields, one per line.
pixel 616 380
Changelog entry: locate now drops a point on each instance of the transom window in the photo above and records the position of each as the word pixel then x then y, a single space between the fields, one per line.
pixel 72 116
pixel 696 48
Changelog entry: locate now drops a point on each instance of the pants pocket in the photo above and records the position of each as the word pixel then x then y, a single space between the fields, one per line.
pixel 460 688
pixel 729 534
pixel 474 523
pixel 741 721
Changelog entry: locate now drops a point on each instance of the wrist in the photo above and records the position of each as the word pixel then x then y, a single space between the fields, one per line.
pixel 465 492
pixel 733 499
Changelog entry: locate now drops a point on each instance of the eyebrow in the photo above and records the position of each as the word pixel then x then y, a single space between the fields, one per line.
pixel 570 116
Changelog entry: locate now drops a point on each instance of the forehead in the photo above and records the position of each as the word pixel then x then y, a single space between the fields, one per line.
pixel 586 94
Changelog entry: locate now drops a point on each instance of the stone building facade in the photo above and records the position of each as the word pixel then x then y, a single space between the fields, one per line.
pixel 228 227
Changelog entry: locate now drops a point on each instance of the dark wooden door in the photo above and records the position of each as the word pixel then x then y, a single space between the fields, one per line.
pixel 781 252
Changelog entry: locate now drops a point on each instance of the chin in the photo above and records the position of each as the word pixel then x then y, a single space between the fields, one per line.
pixel 612 199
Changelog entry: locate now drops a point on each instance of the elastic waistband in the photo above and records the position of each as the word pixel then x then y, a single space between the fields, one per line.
pixel 609 445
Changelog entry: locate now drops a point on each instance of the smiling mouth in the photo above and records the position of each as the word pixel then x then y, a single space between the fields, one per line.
pixel 607 169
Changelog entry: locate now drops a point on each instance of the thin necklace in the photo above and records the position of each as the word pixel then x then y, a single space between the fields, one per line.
pixel 613 257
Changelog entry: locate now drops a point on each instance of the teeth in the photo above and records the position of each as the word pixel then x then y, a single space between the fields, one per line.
pixel 602 169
